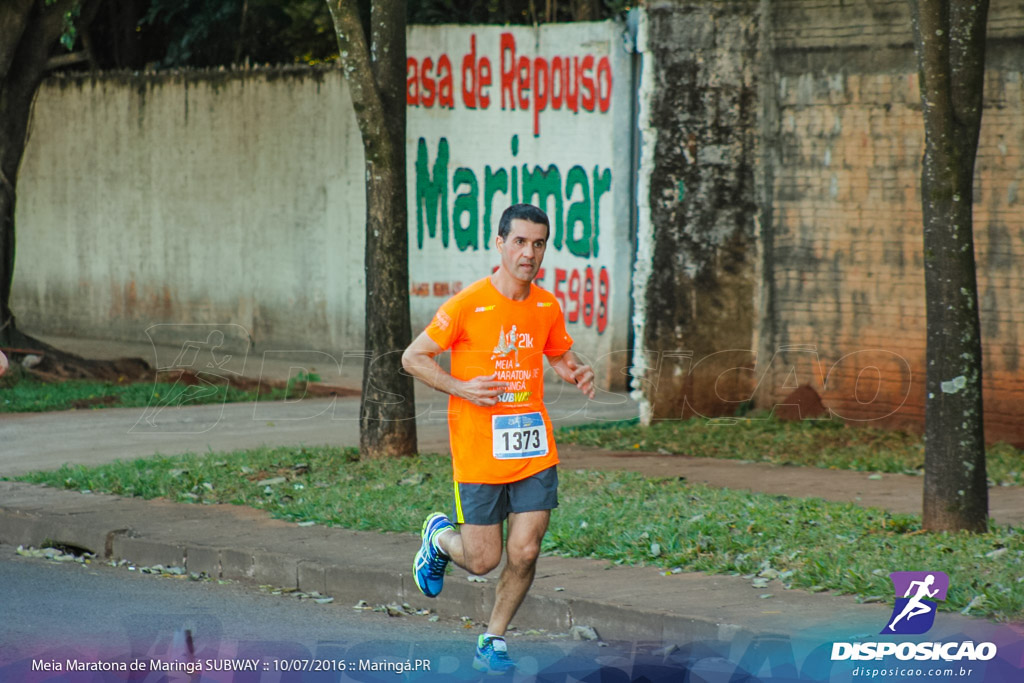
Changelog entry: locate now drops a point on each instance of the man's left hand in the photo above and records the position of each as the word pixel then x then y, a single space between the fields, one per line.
pixel 583 377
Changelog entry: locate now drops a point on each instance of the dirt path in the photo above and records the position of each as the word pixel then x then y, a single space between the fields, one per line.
pixel 895 492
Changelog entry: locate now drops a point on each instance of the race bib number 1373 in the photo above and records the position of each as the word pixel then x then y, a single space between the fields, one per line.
pixel 519 436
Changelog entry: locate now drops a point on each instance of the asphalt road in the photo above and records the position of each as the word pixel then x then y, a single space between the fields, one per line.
pixel 55 613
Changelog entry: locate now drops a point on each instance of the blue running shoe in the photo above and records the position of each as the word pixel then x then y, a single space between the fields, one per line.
pixel 492 656
pixel 429 565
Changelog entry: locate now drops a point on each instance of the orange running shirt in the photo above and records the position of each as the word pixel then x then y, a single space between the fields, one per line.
pixel 488 333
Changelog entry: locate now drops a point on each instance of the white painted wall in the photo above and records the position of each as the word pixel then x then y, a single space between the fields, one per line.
pixel 645 228
pixel 205 198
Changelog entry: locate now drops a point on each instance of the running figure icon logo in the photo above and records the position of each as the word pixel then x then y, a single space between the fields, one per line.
pixel 914 612
pixel 511 342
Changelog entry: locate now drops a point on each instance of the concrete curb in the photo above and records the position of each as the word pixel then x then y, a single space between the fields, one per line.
pixel 336 561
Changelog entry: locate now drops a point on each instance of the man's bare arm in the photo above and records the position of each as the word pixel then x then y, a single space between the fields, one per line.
pixel 418 361
pixel 569 368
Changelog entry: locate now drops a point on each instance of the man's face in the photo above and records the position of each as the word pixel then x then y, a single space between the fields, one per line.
pixel 522 251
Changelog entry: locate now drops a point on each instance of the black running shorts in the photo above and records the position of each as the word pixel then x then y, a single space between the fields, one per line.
pixel 491 503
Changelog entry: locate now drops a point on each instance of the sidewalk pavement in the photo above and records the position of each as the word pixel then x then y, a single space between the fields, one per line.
pixel 621 603
pixel 90 437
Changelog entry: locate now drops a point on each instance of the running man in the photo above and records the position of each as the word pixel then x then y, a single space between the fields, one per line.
pixel 503 449
pixel 914 606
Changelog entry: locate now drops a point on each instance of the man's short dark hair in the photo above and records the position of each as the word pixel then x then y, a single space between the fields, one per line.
pixel 526 212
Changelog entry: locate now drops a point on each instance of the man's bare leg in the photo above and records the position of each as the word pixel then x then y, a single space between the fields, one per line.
pixel 477 549
pixel 474 547
pixel 525 531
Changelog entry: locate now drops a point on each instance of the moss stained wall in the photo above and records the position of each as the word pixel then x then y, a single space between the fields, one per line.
pixel 696 273
pixel 845 269
pixel 783 140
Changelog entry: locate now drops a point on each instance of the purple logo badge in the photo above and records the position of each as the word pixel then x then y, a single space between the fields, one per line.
pixel 916 593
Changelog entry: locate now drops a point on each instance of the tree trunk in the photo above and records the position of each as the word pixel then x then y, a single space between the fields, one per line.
pixel 29 30
pixel 950 42
pixel 387 423
pixel 26 34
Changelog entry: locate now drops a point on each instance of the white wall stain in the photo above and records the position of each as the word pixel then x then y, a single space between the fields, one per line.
pixel 645 228
pixel 954 385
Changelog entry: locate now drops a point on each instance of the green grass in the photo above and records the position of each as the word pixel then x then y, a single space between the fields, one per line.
pixel 814 443
pixel 618 516
pixel 28 395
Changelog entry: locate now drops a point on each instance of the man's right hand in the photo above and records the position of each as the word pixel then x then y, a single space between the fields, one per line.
pixel 483 390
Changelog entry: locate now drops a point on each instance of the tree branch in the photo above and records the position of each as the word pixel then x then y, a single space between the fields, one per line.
pixel 931 26
pixel 14 15
pixel 355 62
pixel 60 61
pixel 387 26
pixel 967 59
